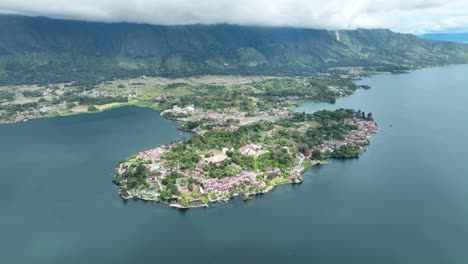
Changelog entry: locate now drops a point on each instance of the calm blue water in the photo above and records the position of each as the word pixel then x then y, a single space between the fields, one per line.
pixel 404 201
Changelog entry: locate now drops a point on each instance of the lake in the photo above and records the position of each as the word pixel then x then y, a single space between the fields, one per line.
pixel 403 201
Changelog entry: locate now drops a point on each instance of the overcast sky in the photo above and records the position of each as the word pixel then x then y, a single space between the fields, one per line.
pixel 414 16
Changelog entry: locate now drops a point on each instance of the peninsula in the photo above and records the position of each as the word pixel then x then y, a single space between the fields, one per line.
pixel 246 141
pixel 234 87
pixel 246 137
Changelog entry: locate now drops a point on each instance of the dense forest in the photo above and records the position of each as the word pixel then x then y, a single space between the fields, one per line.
pixel 42 50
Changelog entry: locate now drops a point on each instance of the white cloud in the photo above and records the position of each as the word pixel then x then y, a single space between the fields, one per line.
pixel 415 16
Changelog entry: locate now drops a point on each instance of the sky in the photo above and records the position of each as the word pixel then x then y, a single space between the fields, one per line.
pixel 409 16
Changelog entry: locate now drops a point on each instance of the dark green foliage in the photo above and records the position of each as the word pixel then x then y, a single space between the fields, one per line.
pixel 336 115
pixel 221 170
pixel 309 88
pixel 92 108
pixel 6 96
pixel 170 182
pixel 190 125
pixel 304 149
pixel 218 139
pixel 165 195
pixel 175 85
pixel 136 176
pixel 172 188
pixel 179 157
pixel 12 108
pixel 346 151
pixel 133 173
pixel 88 100
pixel 317 154
pixel 278 158
pixel 331 126
pixel 208 97
pixel 33 93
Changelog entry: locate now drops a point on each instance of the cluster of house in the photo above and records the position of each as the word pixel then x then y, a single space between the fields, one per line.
pixel 219 121
pixel 278 113
pixel 225 184
pixel 30 113
pixel 47 92
pixel 45 109
pixel 218 118
pixel 159 171
pixel 363 133
pixel 156 153
pixel 96 93
pixel 156 163
pixel 177 110
pixel 230 128
pixel 364 125
pixel 359 137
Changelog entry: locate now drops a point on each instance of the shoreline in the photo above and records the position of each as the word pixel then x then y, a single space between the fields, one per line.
pixel 245 197
pixel 251 196
pixel 362 75
pixel 296 172
pixel 220 196
pixel 155 108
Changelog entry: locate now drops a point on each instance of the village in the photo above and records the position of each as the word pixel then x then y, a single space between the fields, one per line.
pixel 228 120
pixel 356 138
pixel 194 176
pixel 166 180
pixel 217 189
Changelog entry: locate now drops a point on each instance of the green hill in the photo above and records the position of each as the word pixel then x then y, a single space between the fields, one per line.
pixel 38 50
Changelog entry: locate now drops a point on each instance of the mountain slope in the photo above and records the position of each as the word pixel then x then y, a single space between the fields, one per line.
pixel 47 50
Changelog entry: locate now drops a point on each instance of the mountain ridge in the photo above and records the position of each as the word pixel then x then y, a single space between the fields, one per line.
pixel 41 50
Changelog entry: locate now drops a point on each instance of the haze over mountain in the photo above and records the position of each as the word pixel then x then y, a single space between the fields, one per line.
pixel 455 37
pixel 37 50
pixel 415 16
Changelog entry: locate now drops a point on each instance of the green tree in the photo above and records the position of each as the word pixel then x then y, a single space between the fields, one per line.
pixel 316 154
pixel 92 108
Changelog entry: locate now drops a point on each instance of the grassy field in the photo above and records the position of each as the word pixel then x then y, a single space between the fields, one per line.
pixel 61 99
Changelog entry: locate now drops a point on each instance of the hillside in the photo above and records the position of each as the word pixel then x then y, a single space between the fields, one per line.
pixel 39 50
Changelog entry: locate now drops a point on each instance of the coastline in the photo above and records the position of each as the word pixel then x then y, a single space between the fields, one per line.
pixel 224 195
pixel 296 175
pixel 245 197
pixel 361 74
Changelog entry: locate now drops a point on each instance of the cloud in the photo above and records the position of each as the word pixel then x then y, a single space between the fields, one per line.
pixel 415 16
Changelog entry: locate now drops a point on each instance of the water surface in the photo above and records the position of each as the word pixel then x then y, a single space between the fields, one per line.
pixel 404 201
